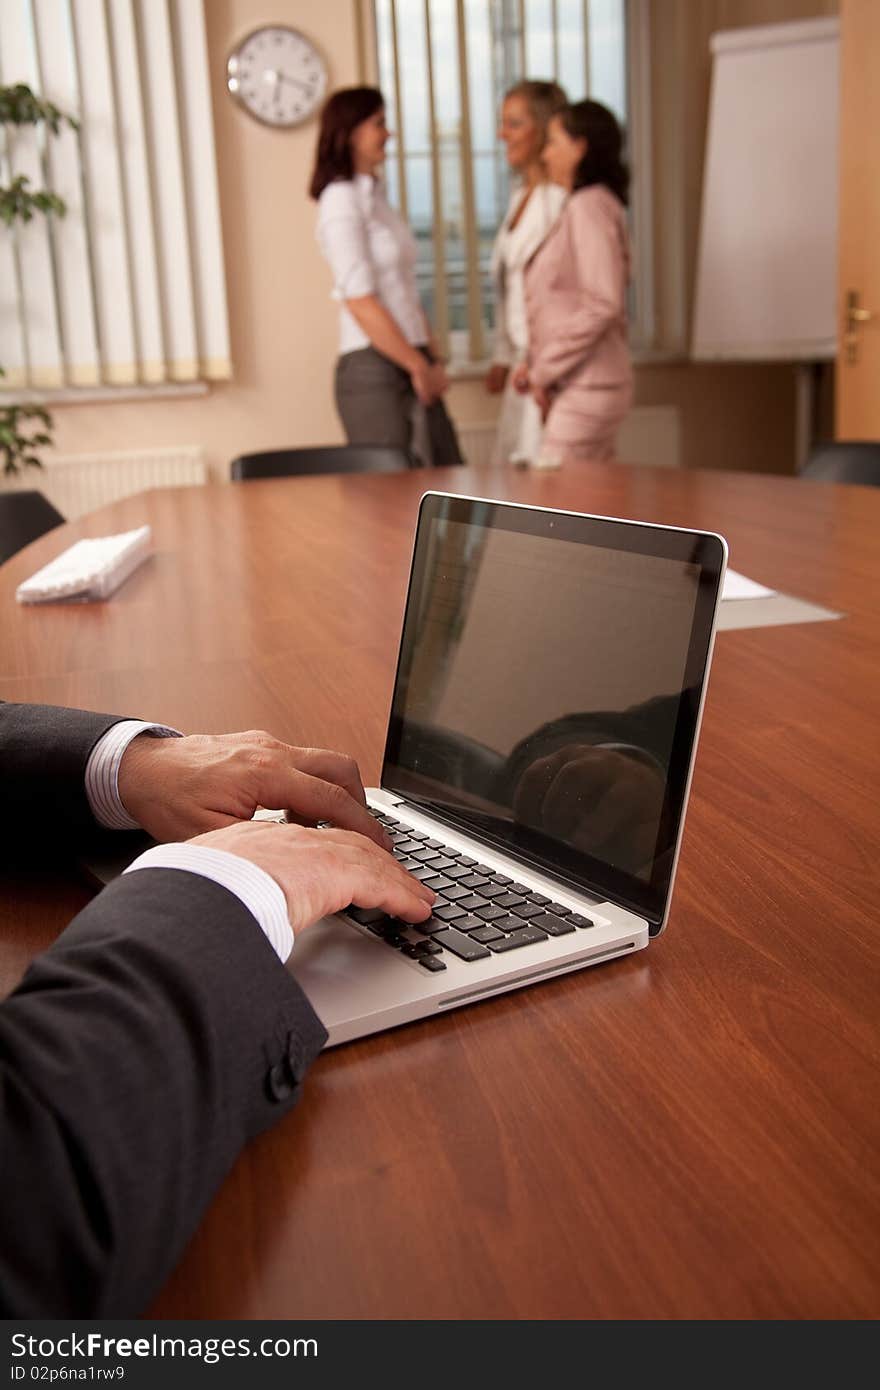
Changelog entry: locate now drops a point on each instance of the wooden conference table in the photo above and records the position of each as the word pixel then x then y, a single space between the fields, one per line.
pixel 693 1132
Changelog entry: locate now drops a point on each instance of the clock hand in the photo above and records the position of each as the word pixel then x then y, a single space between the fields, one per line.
pixel 294 81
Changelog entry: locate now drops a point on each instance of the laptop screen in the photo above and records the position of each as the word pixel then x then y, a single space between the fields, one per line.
pixel 549 685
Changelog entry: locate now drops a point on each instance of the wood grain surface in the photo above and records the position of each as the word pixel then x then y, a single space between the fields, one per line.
pixel 693 1132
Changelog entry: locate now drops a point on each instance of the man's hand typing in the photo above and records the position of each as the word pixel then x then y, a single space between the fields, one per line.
pixel 322 871
pixel 179 787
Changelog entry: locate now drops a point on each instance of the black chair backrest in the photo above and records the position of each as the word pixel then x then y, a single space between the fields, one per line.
pixel 329 458
pixel 24 516
pixel 845 461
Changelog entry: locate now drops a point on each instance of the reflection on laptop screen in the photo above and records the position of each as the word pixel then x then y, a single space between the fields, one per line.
pixel 548 686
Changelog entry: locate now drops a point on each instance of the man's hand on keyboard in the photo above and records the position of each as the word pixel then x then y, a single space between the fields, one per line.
pixel 179 787
pixel 323 871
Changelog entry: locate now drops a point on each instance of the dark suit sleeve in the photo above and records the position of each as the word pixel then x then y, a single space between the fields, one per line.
pixel 137 1057
pixel 43 754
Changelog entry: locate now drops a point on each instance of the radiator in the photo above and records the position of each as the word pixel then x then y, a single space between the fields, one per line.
pixel 78 483
pixel 649 434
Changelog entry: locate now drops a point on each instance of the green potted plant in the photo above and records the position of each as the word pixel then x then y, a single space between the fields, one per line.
pixel 25 428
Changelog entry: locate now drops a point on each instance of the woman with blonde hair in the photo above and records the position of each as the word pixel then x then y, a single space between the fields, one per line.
pixel 534 207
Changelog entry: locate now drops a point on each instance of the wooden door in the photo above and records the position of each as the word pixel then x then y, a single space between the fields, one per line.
pixel 858 358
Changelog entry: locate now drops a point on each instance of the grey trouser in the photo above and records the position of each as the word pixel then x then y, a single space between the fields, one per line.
pixel 377 405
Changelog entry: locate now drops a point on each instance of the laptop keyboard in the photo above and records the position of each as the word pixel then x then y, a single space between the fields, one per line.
pixel 478 912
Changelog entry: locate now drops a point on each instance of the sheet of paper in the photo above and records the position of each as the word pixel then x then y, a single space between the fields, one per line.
pixel 737 586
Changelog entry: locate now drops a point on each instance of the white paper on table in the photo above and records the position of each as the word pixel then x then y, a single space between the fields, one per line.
pixel 737 586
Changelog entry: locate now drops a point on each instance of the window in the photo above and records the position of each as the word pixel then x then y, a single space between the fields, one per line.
pixel 444 66
pixel 127 289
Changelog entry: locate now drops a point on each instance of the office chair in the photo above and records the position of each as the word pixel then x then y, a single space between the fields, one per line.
pixel 845 461
pixel 328 458
pixel 24 516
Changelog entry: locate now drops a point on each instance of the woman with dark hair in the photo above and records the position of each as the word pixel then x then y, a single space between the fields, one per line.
pixel 535 204
pixel 387 366
pixel 579 369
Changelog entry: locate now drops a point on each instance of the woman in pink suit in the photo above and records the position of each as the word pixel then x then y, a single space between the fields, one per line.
pixel 578 367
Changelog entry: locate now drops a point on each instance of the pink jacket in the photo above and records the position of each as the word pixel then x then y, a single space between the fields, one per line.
pixel 576 295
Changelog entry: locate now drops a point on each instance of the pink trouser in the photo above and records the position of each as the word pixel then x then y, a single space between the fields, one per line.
pixel 583 423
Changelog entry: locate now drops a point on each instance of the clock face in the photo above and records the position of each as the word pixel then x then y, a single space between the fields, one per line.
pixel 277 75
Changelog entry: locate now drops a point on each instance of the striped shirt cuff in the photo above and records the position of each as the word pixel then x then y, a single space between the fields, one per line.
pixel 102 771
pixel 253 887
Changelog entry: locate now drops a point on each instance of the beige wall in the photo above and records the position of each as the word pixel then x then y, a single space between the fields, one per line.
pixel 283 323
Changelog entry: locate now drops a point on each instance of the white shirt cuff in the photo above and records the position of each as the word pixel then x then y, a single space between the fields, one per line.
pixel 253 887
pixel 102 771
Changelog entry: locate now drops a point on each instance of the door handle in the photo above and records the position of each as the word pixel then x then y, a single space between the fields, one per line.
pixel 854 316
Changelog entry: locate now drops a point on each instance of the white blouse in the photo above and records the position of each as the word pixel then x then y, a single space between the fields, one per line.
pixel 370 250
pixel 512 249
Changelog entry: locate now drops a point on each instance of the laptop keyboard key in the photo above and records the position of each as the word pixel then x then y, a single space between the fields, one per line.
pixel 554 926
pixel 473 880
pixel 529 910
pixel 528 936
pixel 472 902
pixel 461 945
pixel 431 963
pixel 366 915
pixel 579 921
pixel 444 862
pixel 406 846
pixel 423 871
pixel 416 949
pixel 459 873
pixel 509 900
pixel 431 926
pixel 455 892
pixel 448 912
pixel 486 934
pixel 437 882
pixel 489 913
pixel 469 923
pixel 508 923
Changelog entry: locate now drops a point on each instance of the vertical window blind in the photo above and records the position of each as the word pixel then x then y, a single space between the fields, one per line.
pixel 443 67
pixel 127 288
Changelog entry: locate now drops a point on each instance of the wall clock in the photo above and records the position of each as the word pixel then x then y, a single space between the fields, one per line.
pixel 277 75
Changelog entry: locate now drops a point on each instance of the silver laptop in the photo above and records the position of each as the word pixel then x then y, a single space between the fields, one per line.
pixel 544 720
